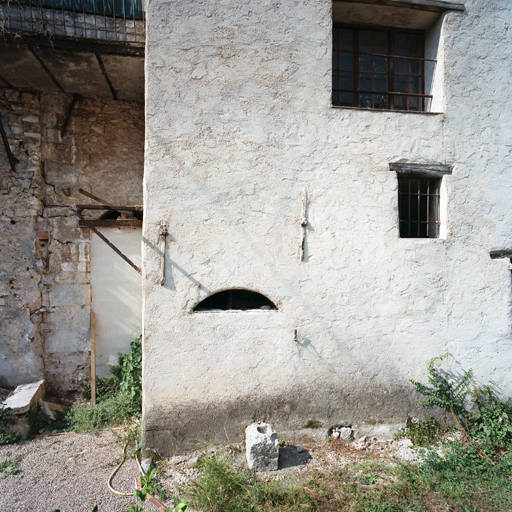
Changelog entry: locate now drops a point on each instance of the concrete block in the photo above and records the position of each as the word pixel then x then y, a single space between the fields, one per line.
pixel 24 396
pixel 262 447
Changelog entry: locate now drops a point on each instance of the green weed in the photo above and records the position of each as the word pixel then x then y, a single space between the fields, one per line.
pixel 7 419
pixel 10 467
pixel 422 433
pixel 110 412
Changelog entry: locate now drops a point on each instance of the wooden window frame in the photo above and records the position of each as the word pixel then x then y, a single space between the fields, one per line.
pixel 390 74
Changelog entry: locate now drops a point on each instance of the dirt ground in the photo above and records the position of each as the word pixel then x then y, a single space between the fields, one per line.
pixel 69 472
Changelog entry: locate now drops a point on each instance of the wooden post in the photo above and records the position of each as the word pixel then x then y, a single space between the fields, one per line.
pixel 93 358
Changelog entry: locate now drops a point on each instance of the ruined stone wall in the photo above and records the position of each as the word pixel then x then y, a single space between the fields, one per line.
pixel 102 152
pixel 239 127
pixel 22 258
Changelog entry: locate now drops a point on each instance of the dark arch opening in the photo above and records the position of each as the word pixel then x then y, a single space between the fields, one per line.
pixel 235 299
pixel 114 214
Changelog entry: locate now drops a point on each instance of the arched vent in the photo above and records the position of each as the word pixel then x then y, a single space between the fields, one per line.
pixel 235 299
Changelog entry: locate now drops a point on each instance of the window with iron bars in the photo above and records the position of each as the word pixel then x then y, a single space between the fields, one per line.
pixel 379 68
pixel 418 206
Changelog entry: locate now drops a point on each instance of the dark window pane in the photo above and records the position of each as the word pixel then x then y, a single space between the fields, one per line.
pixel 346 61
pixel 380 42
pixel 379 101
pixel 414 67
pixel 414 85
pixel 345 99
pixel 345 80
pixel 335 38
pixel 346 38
pixel 380 83
pixel 414 104
pixel 400 84
pixel 365 100
pixel 401 44
pixel 335 81
pixel 365 41
pixel 400 103
pixel 365 63
pixel 415 44
pixel 380 64
pixel 335 98
pixel 401 66
pixel 366 82
pixel 335 59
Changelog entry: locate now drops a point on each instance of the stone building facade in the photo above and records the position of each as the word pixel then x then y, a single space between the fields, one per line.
pixel 288 274
pixel 265 186
pixel 45 295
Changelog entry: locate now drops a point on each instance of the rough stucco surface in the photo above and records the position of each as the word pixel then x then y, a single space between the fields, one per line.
pixel 239 126
pixel 45 295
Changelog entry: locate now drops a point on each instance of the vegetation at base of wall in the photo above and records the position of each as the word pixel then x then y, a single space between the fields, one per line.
pixel 422 433
pixel 118 395
pixel 6 420
pixel 484 421
pixel 37 420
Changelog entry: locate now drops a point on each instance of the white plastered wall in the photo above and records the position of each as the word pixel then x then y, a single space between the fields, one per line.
pixel 239 126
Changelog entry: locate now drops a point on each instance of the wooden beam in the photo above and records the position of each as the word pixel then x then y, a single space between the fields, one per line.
pixel 423 5
pixel 93 357
pixel 425 169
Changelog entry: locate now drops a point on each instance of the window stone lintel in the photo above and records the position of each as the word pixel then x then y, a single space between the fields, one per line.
pixel 423 169
pixel 425 5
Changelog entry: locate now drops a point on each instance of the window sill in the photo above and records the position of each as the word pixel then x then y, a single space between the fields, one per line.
pixel 387 110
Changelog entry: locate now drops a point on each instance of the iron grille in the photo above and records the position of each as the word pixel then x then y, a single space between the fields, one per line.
pixel 107 20
pixel 418 206
pixel 379 68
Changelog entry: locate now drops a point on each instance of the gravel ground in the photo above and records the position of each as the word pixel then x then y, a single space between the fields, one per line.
pixel 69 472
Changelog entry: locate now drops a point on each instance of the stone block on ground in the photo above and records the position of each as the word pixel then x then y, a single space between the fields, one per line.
pixel 262 447
pixel 24 396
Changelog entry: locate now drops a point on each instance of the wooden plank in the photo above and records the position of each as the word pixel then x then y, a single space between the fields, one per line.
pixel 112 223
pixel 502 253
pixel 93 357
pixel 424 5
pixel 425 169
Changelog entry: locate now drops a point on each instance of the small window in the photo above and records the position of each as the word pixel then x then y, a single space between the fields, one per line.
pixel 418 206
pixel 235 299
pixel 379 68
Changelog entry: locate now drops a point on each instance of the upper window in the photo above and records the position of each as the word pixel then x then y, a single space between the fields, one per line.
pixel 379 68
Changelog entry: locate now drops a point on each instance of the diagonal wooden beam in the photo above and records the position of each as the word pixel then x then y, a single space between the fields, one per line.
pixel 12 159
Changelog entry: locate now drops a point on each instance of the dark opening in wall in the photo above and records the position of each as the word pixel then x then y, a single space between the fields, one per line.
pixel 235 299
pixel 114 214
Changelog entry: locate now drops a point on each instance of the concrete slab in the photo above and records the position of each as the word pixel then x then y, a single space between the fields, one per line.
pixel 76 72
pixel 126 73
pixel 24 396
pixel 21 69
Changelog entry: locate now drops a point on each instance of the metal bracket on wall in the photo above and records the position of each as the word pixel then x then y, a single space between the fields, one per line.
pixel 12 159
pixel 163 248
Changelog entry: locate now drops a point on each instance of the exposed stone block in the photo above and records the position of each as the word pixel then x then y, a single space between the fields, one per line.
pixel 24 396
pixel 262 447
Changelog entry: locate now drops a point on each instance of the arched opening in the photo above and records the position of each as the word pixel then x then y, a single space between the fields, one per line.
pixel 235 299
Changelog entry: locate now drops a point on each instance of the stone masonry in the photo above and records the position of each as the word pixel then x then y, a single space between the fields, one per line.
pixel 44 256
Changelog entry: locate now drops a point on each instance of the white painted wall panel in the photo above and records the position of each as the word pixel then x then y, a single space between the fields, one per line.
pixel 116 294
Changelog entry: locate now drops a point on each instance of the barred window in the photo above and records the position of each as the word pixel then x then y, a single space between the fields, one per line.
pixel 418 206
pixel 379 68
